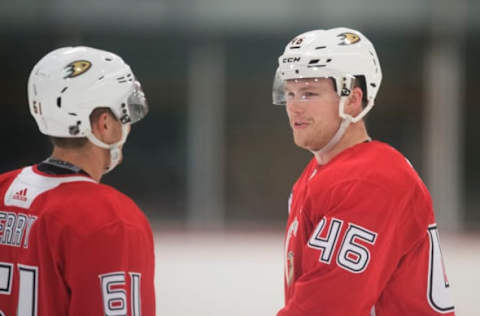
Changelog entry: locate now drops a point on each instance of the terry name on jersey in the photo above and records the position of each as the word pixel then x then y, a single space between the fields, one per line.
pixel 15 228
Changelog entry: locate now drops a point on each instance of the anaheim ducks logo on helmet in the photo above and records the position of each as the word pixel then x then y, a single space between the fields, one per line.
pixel 76 68
pixel 348 38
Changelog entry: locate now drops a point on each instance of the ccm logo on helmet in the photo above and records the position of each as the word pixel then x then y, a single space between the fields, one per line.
pixel 76 68
pixel 349 38
pixel 291 60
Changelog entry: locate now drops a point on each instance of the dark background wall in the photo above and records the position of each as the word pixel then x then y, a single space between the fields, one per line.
pixel 261 162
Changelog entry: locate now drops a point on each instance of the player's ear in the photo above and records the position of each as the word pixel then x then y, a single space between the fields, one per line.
pixel 100 121
pixel 354 102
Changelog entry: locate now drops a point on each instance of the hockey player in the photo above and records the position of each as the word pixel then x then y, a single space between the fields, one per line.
pixel 361 237
pixel 68 244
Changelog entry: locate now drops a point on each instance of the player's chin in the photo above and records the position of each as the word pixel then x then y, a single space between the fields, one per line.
pixel 300 141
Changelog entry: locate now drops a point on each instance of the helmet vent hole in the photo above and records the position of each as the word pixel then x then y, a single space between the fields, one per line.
pixel 314 61
pixel 108 59
pixel 329 60
pixel 64 89
pixel 37 109
pixel 72 114
pixel 73 130
pixel 59 102
pixel 101 77
pixel 320 47
pixel 121 79
pixel 373 85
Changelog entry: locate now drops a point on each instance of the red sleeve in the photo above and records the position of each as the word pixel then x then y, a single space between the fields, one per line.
pixel 111 271
pixel 352 245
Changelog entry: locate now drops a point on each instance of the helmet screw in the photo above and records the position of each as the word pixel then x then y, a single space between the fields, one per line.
pixel 345 92
pixel 73 130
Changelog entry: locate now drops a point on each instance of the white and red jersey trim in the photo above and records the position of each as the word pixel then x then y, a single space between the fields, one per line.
pixel 29 184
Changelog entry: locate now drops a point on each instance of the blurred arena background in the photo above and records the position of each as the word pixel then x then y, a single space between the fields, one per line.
pixel 213 163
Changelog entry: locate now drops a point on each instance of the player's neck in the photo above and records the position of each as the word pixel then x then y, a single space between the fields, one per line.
pixel 355 134
pixel 90 159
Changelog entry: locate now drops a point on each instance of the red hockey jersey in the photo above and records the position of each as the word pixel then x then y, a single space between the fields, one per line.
pixel 361 239
pixel 71 246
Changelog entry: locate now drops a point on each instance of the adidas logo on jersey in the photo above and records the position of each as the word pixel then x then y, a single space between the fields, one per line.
pixel 21 195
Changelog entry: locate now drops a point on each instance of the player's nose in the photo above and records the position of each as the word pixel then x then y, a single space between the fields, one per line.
pixel 295 106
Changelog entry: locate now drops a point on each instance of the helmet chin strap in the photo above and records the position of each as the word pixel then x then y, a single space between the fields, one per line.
pixel 115 148
pixel 346 120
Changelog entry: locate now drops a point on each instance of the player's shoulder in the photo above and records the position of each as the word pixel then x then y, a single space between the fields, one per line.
pixel 6 180
pixel 382 151
pixel 379 163
pixel 374 166
pixel 89 206
pixel 102 197
pixel 74 201
pixel 93 192
pixel 8 176
pixel 375 151
pixel 371 176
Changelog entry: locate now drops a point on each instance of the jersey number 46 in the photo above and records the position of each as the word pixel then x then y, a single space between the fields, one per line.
pixel 353 256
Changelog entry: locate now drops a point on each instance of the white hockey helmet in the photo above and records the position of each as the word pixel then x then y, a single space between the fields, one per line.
pixel 67 84
pixel 338 53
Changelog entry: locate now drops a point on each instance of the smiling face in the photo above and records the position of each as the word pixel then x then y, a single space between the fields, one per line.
pixel 312 108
